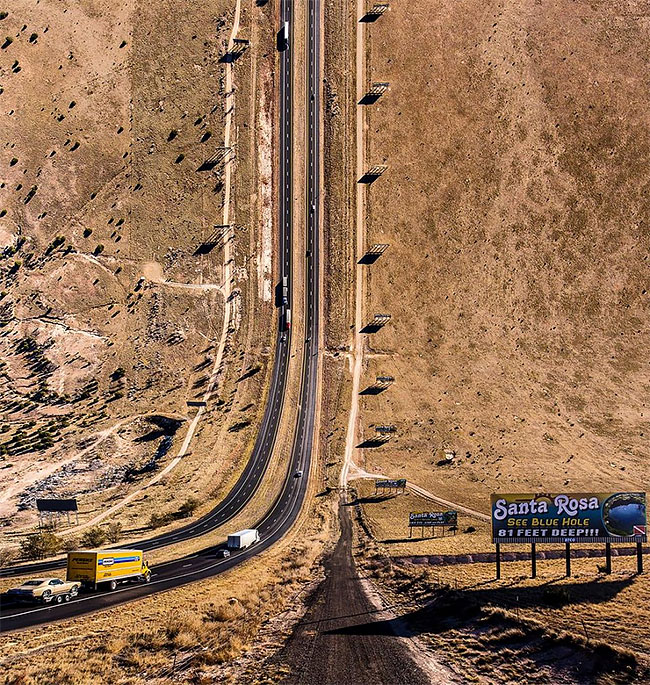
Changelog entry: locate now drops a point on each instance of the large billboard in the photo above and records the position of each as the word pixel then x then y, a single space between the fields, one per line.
pixel 566 517
pixel 423 519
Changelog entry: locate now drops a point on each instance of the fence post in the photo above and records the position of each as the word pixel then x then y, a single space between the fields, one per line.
pixel 533 560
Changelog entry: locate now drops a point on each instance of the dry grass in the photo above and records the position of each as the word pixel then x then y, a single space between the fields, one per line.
pixel 150 214
pixel 204 626
pixel 587 604
pixel 387 519
pixel 517 285
pixel 548 629
pixel 516 273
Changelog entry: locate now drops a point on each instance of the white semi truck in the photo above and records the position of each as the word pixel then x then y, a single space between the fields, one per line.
pixel 243 538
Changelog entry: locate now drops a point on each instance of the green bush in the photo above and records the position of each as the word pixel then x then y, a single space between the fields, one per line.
pixel 40 545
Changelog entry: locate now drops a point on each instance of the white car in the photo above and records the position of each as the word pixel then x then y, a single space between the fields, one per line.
pixel 45 590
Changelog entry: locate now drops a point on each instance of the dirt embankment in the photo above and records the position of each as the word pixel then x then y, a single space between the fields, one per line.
pixel 516 209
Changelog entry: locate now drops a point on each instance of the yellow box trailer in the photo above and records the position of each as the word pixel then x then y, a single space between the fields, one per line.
pixel 107 567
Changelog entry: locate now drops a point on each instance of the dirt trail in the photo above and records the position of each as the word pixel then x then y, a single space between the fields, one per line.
pixel 153 272
pixel 357 349
pixel 356 472
pixel 429 495
pixel 344 638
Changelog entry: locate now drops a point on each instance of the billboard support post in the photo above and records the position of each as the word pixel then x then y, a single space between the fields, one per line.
pixel 608 558
pixel 568 559
pixel 498 561
pixel 533 560
pixel 639 557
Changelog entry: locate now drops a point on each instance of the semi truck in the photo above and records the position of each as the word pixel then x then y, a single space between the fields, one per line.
pixel 283 37
pixel 107 567
pixel 243 538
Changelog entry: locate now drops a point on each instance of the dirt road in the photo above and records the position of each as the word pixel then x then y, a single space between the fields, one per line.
pixel 336 642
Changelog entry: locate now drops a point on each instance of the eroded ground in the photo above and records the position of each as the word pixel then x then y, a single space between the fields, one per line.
pixel 111 204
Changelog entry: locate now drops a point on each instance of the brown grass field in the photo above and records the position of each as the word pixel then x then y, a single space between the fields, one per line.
pixel 586 628
pixel 515 140
pixel 517 279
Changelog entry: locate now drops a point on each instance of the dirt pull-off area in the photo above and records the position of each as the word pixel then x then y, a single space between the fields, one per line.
pixel 516 208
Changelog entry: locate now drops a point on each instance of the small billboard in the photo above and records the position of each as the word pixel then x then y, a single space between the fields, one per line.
pixel 401 483
pixel 423 519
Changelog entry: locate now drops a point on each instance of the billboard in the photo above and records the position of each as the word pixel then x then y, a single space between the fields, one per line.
pixel 567 517
pixel 401 483
pixel 423 519
pixel 56 504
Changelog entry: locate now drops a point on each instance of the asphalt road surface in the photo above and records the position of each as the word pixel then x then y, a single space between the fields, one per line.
pixel 341 640
pixel 287 506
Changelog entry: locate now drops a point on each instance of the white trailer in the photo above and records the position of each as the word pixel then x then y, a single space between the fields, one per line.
pixel 285 290
pixel 243 538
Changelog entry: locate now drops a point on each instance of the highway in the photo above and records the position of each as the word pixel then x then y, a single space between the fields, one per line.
pixel 284 511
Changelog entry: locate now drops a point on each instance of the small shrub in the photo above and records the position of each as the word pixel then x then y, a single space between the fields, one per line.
pixel 40 545
pixel 157 520
pixel 88 232
pixel 188 507
pixel 7 43
pixel 93 537
pixel 99 249
pixel 7 555
pixel 114 531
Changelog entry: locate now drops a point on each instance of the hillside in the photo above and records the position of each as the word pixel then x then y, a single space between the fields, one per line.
pixel 515 204
pixel 114 258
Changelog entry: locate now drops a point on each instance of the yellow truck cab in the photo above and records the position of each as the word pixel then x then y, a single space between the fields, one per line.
pixel 107 567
